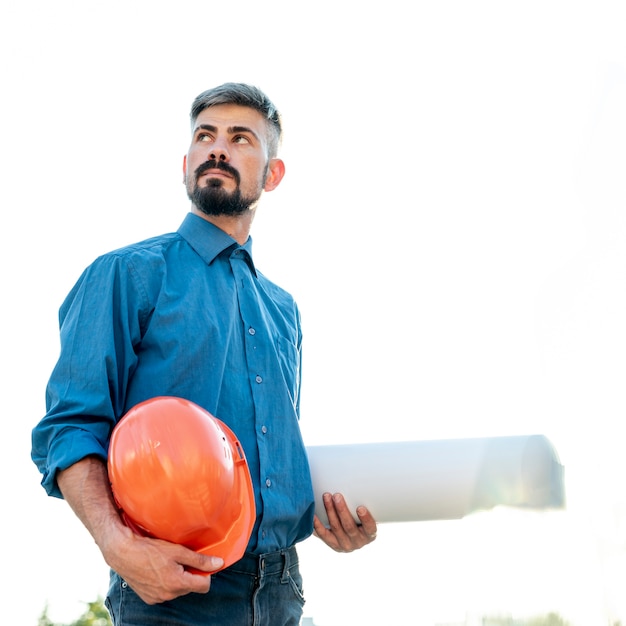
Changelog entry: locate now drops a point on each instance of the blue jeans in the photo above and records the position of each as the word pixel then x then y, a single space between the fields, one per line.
pixel 258 590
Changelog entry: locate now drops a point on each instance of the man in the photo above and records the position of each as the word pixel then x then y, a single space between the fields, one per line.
pixel 188 314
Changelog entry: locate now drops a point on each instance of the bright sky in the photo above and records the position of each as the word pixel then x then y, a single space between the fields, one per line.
pixel 452 225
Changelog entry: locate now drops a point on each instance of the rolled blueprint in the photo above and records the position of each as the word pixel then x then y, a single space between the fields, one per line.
pixel 439 479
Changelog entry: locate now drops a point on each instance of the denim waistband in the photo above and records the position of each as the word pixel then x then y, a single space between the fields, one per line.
pixel 270 563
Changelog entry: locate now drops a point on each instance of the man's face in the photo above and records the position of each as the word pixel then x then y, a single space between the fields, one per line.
pixel 227 166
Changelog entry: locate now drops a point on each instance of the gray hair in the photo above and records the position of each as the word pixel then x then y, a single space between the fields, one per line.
pixel 243 95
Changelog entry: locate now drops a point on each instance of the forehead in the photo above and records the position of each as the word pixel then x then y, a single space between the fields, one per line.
pixel 224 116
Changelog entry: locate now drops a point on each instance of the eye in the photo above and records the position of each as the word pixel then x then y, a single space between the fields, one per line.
pixel 241 139
pixel 204 137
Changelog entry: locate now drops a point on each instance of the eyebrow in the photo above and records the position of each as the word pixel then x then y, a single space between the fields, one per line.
pixel 231 130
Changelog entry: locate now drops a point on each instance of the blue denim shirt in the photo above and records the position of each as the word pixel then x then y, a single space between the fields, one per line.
pixel 185 314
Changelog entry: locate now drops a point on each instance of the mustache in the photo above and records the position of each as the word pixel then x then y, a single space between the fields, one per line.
pixel 213 164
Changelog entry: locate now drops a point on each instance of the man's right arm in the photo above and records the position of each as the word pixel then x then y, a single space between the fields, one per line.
pixel 156 570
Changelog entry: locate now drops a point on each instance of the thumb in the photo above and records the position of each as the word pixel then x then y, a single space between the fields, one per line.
pixel 203 563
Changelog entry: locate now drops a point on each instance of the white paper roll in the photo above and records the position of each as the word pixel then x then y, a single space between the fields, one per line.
pixel 439 479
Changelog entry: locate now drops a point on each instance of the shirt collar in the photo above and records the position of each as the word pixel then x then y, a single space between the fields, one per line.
pixel 209 241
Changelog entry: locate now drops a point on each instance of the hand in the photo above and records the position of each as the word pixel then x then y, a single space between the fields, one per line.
pixel 157 570
pixel 344 534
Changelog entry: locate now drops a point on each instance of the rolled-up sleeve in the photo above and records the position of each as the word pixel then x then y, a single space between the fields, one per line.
pixel 100 324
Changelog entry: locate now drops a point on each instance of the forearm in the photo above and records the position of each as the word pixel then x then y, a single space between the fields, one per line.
pixel 86 488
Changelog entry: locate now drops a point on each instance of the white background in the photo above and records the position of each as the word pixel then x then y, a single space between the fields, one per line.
pixel 451 223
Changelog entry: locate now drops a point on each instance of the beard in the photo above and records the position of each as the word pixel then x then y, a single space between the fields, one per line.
pixel 213 199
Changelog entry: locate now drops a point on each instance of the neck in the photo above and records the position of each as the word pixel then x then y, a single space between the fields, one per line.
pixel 237 227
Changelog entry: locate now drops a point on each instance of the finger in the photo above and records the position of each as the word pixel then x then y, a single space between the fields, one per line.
pixel 331 512
pixel 343 512
pixel 349 525
pixel 325 534
pixel 350 535
pixel 335 534
pixel 319 528
pixel 345 530
pixel 203 562
pixel 368 523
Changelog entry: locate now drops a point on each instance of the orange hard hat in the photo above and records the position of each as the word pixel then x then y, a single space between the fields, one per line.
pixel 179 474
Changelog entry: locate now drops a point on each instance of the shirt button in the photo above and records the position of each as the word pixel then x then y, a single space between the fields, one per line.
pixel 258 379
pixel 268 482
pixel 264 429
pixel 251 331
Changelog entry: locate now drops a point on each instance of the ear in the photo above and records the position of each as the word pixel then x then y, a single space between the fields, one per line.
pixel 184 169
pixel 276 171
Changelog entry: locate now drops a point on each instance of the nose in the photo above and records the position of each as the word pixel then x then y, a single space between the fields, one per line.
pixel 219 151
